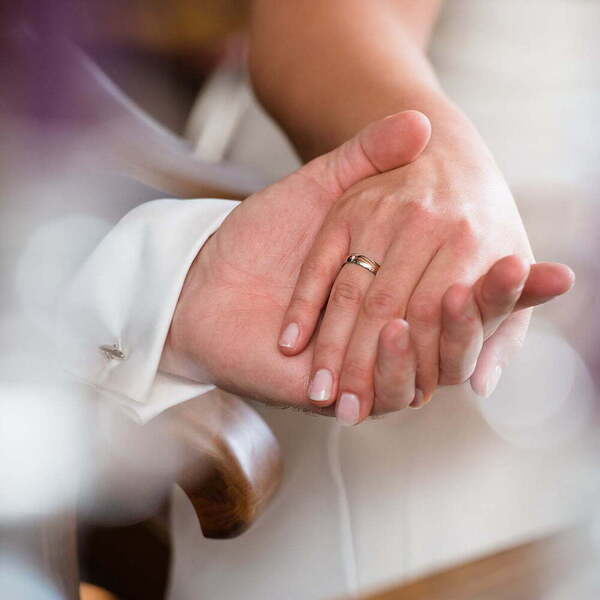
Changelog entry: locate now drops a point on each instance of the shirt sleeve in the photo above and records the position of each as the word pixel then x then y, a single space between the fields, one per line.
pixel 114 316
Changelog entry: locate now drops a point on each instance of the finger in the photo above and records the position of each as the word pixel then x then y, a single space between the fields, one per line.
pixel 497 351
pixel 335 330
pixel 546 281
pixel 394 370
pixel 424 313
pixel 381 146
pixel 461 339
pixel 498 291
pixel 386 299
pixel 495 294
pixel 317 275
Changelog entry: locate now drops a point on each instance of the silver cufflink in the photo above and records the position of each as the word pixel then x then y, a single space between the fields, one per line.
pixel 112 352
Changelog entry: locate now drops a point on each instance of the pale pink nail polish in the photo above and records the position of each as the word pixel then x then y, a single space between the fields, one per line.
pixel 416 403
pixel 289 337
pixel 402 338
pixel 492 381
pixel 321 386
pixel 348 409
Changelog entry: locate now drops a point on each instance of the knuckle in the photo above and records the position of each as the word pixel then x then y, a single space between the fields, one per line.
pixel 393 400
pixel 420 211
pixel 356 197
pixel 379 304
pixel 385 404
pixel 457 354
pixel 465 226
pixel 301 303
pixel 313 270
pixel 357 373
pixel 346 295
pixel 469 327
pixel 465 233
pixel 456 379
pixel 459 324
pixel 424 310
pixel 454 374
pixel 328 351
pixel 387 202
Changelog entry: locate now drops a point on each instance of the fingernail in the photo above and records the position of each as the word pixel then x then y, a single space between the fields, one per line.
pixel 402 339
pixel 289 337
pixel 492 381
pixel 416 403
pixel 348 409
pixel 320 386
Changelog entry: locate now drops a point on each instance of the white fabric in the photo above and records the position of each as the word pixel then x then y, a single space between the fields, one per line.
pixel 125 295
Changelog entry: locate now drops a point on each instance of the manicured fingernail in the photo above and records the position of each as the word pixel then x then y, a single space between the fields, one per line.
pixel 402 339
pixel 417 401
pixel 492 381
pixel 321 386
pixel 289 337
pixel 348 409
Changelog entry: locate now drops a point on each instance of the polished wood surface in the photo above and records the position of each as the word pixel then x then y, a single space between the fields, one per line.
pixel 228 463
pixel 231 461
pixel 215 447
pixel 562 566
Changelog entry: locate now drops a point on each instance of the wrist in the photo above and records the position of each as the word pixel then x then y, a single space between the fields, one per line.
pixel 452 130
pixel 182 354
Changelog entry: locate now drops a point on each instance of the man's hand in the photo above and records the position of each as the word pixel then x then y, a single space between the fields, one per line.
pixel 225 326
pixel 232 305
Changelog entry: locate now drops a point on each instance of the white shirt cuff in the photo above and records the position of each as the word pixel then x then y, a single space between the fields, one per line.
pixel 123 299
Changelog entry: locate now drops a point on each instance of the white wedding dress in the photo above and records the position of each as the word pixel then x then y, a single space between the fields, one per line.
pixel 396 498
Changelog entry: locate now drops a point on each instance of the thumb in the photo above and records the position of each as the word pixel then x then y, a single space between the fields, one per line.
pixel 546 281
pixel 381 146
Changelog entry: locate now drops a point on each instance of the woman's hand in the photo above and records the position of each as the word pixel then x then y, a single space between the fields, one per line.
pixel 445 219
pixel 234 297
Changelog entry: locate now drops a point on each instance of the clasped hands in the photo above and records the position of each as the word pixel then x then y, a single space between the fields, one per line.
pixel 269 312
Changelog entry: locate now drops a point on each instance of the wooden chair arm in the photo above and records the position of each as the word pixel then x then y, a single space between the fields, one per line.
pixel 215 447
pixel 227 461
pixel 231 464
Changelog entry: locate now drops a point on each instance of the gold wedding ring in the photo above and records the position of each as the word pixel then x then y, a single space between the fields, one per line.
pixel 363 261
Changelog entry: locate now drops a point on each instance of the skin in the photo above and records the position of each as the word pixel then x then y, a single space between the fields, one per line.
pixel 240 283
pixel 427 238
pixel 443 221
